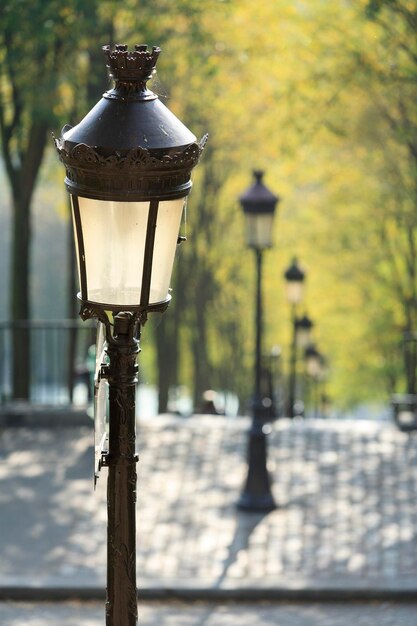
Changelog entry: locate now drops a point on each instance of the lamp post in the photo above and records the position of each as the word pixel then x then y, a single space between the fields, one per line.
pixel 294 277
pixel 314 362
pixel 303 331
pixel 128 167
pixel 258 204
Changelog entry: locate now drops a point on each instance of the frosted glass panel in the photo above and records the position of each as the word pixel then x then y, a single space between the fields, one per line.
pixel 114 245
pixel 294 291
pixel 114 242
pixel 259 230
pixel 303 337
pixel 166 235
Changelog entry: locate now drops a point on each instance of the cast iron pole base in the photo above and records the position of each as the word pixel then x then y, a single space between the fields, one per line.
pixel 123 349
pixel 121 373
pixel 256 495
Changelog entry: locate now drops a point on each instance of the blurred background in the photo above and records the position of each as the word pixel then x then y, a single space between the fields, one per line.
pixel 321 96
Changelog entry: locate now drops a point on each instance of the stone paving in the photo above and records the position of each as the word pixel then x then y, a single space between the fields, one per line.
pixel 347 514
pixel 203 614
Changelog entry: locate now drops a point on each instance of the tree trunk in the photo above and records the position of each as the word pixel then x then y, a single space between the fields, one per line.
pixel 167 340
pixel 167 356
pixel 20 300
pixel 201 359
pixel 23 184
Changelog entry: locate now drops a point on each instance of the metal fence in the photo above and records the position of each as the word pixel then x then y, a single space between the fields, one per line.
pixel 61 360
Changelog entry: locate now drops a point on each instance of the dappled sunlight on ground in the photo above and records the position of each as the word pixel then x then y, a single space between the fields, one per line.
pixel 346 495
pixel 202 614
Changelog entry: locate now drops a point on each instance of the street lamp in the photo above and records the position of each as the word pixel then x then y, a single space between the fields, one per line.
pixel 258 204
pixel 314 363
pixel 294 277
pixel 303 326
pixel 128 167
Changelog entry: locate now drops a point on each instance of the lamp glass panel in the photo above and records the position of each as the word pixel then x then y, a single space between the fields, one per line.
pixel 313 366
pixel 259 230
pixel 406 417
pixel 303 337
pixel 166 235
pixel 114 236
pixel 294 291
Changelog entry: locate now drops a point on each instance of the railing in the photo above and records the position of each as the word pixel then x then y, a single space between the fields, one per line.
pixel 61 360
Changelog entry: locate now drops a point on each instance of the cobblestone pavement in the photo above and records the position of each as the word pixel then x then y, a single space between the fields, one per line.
pixel 260 614
pixel 347 515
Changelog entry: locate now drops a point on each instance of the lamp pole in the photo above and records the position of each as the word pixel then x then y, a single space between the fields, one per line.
pixel 293 364
pixel 294 277
pixel 258 204
pixel 123 349
pixel 258 327
pixel 127 201
pixel 272 382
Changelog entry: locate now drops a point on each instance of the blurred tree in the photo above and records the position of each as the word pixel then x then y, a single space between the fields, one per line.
pixel 320 95
pixel 41 45
pixel 30 72
pixel 392 83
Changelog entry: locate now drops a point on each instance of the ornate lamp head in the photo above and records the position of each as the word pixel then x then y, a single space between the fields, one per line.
pixel 128 170
pixel 129 146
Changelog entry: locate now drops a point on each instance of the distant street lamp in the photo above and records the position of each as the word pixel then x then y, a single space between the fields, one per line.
pixel 258 204
pixel 301 328
pixel 128 166
pixel 314 363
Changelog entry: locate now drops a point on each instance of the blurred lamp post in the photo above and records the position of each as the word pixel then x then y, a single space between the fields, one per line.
pixel 258 204
pixel 314 362
pixel 303 326
pixel 128 166
pixel 294 277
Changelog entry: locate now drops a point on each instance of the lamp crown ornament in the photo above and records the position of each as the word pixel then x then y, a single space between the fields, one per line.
pixel 304 322
pixel 127 66
pixel 130 146
pixel 294 273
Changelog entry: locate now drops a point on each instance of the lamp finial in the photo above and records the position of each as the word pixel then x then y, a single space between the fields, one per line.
pixel 131 66
pixel 258 174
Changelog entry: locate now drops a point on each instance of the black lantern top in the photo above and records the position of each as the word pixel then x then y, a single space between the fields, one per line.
pixel 129 146
pixel 294 274
pixel 311 352
pixel 304 323
pixel 258 199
